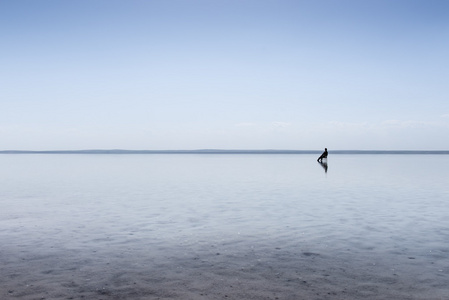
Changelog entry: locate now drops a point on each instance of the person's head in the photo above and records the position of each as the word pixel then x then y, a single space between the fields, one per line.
pixel 325 149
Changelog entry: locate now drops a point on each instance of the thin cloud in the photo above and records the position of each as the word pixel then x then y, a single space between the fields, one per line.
pixel 407 124
pixel 280 124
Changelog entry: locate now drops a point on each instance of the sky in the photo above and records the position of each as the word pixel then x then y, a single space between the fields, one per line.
pixel 224 74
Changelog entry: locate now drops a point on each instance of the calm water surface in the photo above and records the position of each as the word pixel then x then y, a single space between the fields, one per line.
pixel 388 205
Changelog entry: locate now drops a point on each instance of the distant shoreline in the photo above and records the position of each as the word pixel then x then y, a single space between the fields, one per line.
pixel 221 151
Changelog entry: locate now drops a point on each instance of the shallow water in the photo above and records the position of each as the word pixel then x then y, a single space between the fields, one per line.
pixel 374 213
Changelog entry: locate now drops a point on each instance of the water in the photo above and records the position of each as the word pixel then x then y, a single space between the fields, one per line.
pixel 375 213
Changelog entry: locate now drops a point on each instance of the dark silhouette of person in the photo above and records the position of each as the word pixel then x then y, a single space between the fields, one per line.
pixel 324 155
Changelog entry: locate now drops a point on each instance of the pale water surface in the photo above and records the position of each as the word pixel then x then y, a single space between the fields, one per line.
pixel 375 213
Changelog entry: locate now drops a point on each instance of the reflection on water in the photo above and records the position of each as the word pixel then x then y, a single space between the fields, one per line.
pixel 324 164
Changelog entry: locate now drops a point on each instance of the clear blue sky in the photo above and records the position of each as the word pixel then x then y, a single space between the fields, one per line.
pixel 229 74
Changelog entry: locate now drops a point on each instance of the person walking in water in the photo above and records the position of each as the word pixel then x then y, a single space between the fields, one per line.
pixel 324 155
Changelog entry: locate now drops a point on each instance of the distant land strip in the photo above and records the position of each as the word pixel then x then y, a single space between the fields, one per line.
pixel 221 151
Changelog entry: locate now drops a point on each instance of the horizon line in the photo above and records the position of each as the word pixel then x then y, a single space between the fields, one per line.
pixel 220 151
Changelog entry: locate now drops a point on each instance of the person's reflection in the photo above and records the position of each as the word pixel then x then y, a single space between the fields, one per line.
pixel 324 165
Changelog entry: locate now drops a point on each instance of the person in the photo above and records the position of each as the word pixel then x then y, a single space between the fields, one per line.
pixel 324 155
